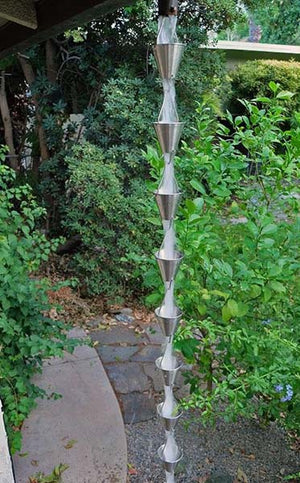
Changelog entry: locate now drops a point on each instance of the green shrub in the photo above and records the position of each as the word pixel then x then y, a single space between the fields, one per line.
pixel 239 282
pixel 111 216
pixel 252 80
pixel 27 336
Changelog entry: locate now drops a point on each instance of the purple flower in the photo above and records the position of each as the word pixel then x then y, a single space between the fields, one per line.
pixel 279 388
pixel 289 393
pixel 266 322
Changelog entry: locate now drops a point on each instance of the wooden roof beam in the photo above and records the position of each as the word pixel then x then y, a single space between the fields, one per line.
pixel 19 11
pixel 53 18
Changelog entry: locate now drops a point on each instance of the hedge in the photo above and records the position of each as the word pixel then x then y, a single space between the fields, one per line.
pixel 252 79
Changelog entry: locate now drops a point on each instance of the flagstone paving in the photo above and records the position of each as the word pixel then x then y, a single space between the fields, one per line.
pixel 128 351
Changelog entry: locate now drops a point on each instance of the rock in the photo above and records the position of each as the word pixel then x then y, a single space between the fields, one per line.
pixel 128 377
pixel 94 323
pixel 154 334
pixel 148 353
pixel 126 311
pixel 155 376
pixel 112 353
pixel 117 335
pixel 125 319
pixel 182 392
pixel 137 407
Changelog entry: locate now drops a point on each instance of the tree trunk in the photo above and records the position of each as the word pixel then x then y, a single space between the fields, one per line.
pixel 51 61
pixel 8 129
pixel 30 78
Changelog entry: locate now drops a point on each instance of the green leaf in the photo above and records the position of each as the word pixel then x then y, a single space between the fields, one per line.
pixel 243 309
pixel 199 202
pixel 268 229
pixel 277 286
pixel 153 298
pixel 274 271
pixel 267 294
pixel 233 307
pixel 154 221
pixel 285 95
pixel 197 186
pixel 202 309
pixel 226 314
pixel 266 242
pixel 188 347
pixel 263 99
pixel 191 207
pixel 273 86
pixel 222 192
pixel 255 291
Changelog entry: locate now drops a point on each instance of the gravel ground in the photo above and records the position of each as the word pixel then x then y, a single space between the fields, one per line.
pixel 241 452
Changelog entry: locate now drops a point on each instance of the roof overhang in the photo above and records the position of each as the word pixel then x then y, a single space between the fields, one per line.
pixel 254 50
pixel 26 22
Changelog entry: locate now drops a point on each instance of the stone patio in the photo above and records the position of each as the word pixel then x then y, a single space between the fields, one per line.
pixel 128 350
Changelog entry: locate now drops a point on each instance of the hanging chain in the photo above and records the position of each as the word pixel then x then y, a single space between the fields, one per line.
pixel 168 52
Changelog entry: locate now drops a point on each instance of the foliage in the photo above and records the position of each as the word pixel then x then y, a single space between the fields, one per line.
pixel 253 78
pixel 280 21
pixel 97 69
pixel 239 281
pixel 118 133
pixel 120 128
pixel 27 334
pixel 111 219
pixel 134 27
pixel 54 477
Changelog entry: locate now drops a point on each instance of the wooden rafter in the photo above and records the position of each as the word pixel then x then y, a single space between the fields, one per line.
pixel 19 11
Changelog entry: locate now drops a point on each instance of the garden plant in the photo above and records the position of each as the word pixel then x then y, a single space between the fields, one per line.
pixel 28 335
pixel 239 281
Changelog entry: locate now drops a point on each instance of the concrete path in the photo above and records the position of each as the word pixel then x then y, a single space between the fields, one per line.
pixel 6 475
pixel 84 429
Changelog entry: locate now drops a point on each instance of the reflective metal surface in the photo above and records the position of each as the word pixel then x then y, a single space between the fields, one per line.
pixel 169 464
pixel 169 375
pixel 168 135
pixel 168 53
pixel 169 422
pixel 168 267
pixel 168 57
pixel 168 324
pixel 167 204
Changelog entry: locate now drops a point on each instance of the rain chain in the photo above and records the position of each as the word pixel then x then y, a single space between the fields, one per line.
pixel 168 52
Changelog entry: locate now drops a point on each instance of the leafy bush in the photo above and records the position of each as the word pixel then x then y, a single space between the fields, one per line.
pixel 239 280
pixel 123 124
pixel 27 335
pixel 111 218
pixel 253 78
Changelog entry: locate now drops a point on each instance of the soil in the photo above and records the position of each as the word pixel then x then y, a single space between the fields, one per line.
pixel 236 452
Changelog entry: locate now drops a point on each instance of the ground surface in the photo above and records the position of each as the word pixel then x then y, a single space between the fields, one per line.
pixel 128 347
pixel 127 342
pixel 83 429
pixel 241 452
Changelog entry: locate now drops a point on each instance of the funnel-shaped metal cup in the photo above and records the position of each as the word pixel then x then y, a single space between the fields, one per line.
pixel 169 375
pixel 168 324
pixel 168 57
pixel 168 134
pixel 168 266
pixel 169 466
pixel 167 204
pixel 170 421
